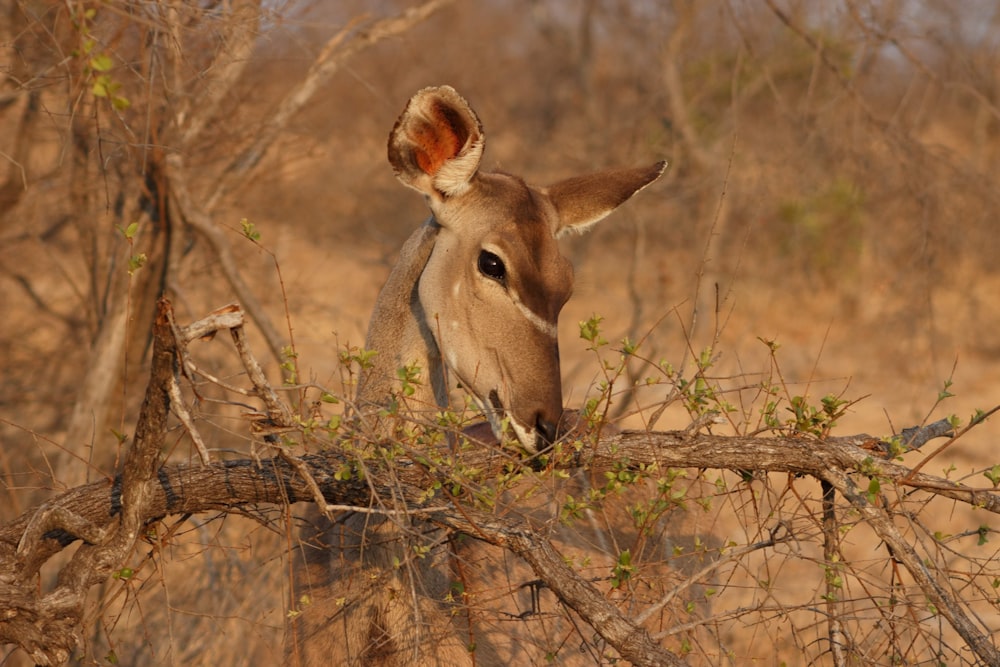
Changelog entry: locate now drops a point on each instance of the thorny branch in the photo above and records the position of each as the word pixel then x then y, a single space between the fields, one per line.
pixel 109 517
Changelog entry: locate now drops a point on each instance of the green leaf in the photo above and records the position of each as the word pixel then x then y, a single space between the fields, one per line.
pixel 590 331
pixel 944 393
pixel 628 347
pixel 100 87
pixel 249 230
pixel 130 231
pixel 136 262
pixel 101 62
pixel 623 570
pixel 873 488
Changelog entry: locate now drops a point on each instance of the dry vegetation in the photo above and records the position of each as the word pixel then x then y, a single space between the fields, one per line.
pixel 827 228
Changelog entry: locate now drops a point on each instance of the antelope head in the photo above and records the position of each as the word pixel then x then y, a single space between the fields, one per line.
pixel 495 281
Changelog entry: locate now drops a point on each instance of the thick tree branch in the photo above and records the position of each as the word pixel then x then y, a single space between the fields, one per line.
pixel 47 626
pixel 187 489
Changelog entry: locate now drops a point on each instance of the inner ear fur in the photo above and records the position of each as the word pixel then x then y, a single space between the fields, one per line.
pixel 437 143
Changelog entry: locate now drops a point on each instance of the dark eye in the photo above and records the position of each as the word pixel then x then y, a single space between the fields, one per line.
pixel 492 266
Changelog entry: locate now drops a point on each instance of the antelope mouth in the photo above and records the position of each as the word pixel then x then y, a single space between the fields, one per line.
pixel 534 438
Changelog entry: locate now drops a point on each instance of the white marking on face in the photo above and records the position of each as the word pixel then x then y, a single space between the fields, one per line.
pixel 526 436
pixel 547 328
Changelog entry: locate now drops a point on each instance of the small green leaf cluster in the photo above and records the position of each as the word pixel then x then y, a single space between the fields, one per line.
pixel 290 365
pixel 870 469
pixel 806 418
pixel 409 379
pixel 354 360
pixel 249 230
pixel 816 420
pixel 701 396
pixel 623 569
pixel 669 496
pixel 834 579
pixel 98 65
pixel 137 260
pixel 590 331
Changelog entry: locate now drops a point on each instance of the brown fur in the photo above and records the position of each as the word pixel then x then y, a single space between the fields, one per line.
pixel 372 601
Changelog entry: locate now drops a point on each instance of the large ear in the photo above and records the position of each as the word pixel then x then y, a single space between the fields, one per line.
pixel 437 143
pixel 585 200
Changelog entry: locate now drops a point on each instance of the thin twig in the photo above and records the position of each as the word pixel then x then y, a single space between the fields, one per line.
pixel 730 556
pixel 944 600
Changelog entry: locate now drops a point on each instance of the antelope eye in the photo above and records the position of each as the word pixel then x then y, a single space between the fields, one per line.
pixel 492 266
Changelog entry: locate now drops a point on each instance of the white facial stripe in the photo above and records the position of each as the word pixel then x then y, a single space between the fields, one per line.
pixel 542 325
pixel 539 323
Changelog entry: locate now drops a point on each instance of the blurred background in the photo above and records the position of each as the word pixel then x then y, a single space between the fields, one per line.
pixel 832 187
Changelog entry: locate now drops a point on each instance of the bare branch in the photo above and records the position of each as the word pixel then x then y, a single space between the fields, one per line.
pixel 947 602
pixel 345 44
pixel 632 641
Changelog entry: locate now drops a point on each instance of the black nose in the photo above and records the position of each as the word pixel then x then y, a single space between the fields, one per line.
pixel 546 431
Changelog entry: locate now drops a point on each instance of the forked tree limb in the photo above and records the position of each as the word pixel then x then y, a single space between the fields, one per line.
pixel 202 222
pixel 48 625
pixel 237 37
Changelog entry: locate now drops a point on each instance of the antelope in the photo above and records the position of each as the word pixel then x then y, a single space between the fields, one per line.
pixel 474 299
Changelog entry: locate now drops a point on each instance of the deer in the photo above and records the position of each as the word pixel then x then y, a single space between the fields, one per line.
pixel 472 301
